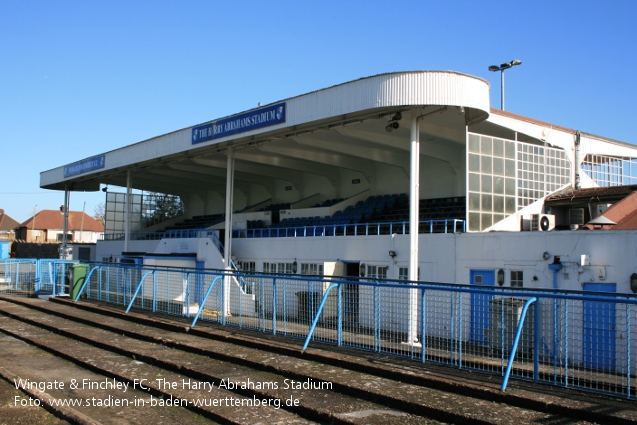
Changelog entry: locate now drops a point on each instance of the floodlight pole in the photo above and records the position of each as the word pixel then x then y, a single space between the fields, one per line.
pixel 502 89
pixel 501 68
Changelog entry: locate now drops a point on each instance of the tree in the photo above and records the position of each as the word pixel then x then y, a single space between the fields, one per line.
pixel 99 213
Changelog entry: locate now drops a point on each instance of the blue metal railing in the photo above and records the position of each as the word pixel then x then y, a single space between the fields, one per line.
pixel 516 341
pixel 168 234
pixel 447 225
pixel 424 321
pixel 353 229
pixel 318 315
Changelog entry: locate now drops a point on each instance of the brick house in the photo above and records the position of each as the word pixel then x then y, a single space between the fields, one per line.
pixel 47 226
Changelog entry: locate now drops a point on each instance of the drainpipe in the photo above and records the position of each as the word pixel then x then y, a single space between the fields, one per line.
pixel 577 183
pixel 556 267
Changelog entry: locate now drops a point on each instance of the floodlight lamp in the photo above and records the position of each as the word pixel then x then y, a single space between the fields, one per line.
pixel 506 65
pixel 494 68
pixel 515 62
pixel 397 116
pixel 391 126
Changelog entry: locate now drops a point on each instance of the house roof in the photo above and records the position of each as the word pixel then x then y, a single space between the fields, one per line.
pixel 6 222
pixel 593 194
pixel 624 213
pixel 54 220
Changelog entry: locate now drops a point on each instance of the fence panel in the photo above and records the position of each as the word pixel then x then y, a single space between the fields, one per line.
pixel 584 340
pixel 18 277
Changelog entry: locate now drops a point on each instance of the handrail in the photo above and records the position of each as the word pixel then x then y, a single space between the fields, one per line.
pixel 518 332
pixel 242 282
pixel 318 314
pixel 139 287
pixel 86 280
pixel 349 229
pixel 205 298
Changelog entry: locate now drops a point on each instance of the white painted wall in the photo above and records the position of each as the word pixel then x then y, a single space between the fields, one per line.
pixel 449 258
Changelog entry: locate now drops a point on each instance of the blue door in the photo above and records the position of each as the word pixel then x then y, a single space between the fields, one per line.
pixel 480 316
pixel 599 329
pixel 4 250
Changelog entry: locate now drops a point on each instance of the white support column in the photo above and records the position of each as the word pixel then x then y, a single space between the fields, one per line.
pixel 129 195
pixel 227 242
pixel 414 211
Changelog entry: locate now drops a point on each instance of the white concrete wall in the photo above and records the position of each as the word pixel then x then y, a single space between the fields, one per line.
pixel 450 257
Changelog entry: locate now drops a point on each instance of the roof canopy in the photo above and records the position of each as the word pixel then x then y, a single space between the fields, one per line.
pixel 338 128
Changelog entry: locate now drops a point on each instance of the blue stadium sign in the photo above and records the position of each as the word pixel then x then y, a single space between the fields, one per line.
pixel 252 120
pixel 85 165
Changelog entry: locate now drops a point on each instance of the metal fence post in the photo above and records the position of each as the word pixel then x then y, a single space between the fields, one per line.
pixel 339 316
pixel 274 306
pixel 423 316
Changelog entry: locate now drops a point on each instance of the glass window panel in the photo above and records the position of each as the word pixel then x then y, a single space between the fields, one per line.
pixel 474 163
pixel 487 220
pixel 474 182
pixel 474 222
pixel 498 166
pixel 474 202
pixel 498 185
pixel 509 150
pixel 486 145
pixel 486 164
pixel 487 183
pixel 509 205
pixel 498 203
pixel 498 217
pixel 509 168
pixel 487 203
pixel 474 143
pixel 498 147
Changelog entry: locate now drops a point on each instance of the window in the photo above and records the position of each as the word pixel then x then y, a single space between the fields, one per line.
pixel 506 175
pixel 610 170
pixel 403 273
pixel 517 278
pixel 312 269
pixel 280 268
pixel 377 272
pixel 246 266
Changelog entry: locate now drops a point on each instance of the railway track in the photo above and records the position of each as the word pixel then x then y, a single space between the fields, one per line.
pixel 91 363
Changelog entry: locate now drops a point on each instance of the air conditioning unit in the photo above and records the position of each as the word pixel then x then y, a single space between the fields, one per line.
pixel 542 222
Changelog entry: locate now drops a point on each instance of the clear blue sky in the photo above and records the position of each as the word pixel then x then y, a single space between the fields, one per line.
pixel 79 78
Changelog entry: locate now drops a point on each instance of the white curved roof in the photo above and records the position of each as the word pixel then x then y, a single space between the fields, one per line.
pixel 367 102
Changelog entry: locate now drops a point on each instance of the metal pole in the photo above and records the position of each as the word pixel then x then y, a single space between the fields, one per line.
pixel 129 194
pixel 66 224
pixel 414 211
pixel 502 89
pixel 33 238
pixel 227 242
